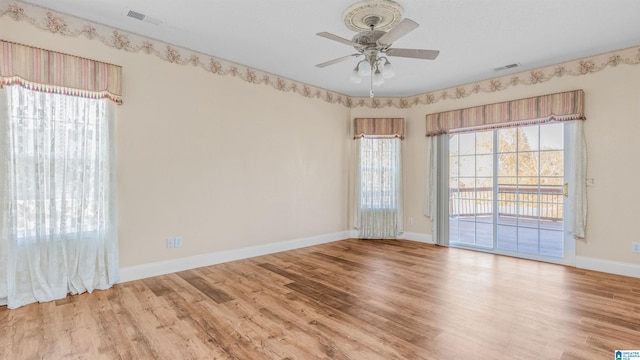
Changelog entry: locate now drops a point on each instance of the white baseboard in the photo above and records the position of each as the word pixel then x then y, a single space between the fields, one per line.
pixel 191 262
pixel 137 272
pixel 608 266
pixel 423 238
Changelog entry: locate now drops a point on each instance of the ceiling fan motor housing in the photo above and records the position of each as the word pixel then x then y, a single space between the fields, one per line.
pixel 368 38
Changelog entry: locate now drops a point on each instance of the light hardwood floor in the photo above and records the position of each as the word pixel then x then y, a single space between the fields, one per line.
pixel 351 299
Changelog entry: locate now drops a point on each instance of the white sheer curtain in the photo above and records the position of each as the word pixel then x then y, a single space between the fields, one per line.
pixel 379 188
pixel 431 187
pixel 57 195
pixel 434 198
pixel 579 177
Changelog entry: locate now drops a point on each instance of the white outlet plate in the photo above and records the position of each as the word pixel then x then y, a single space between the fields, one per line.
pixel 177 241
pixel 171 243
pixel 635 247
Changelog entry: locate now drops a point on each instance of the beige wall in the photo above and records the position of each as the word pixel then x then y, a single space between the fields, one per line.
pixel 612 99
pixel 227 164
pixel 223 163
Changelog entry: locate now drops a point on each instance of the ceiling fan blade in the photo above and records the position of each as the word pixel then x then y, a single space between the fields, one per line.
pixel 404 27
pixel 337 38
pixel 414 53
pixel 335 61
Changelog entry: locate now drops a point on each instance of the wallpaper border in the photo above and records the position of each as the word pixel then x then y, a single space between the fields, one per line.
pixel 70 26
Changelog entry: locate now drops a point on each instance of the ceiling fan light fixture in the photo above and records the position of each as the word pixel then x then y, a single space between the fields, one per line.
pixel 378 79
pixel 355 76
pixel 364 68
pixel 387 69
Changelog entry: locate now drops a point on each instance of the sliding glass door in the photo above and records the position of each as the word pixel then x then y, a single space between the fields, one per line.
pixel 507 191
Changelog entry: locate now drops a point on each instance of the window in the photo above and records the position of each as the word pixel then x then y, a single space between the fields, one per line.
pixel 59 174
pixel 378 173
pixel 506 189
pixel 379 200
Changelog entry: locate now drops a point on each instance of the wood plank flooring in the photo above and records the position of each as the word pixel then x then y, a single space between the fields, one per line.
pixel 351 299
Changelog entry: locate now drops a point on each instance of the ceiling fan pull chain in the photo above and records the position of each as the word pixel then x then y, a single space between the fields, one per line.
pixel 371 85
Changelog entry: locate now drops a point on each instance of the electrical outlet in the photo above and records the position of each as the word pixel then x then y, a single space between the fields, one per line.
pixel 635 247
pixel 591 182
pixel 410 221
pixel 177 241
pixel 171 243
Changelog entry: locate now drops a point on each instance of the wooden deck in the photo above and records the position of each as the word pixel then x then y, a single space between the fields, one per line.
pixel 351 299
pixel 524 239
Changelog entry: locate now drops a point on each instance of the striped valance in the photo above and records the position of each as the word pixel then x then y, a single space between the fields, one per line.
pixel 378 127
pixel 535 110
pixel 54 72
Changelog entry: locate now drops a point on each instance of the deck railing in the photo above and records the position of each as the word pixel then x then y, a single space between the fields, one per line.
pixel 529 201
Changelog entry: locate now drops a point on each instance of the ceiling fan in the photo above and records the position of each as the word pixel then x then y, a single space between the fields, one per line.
pixel 375 45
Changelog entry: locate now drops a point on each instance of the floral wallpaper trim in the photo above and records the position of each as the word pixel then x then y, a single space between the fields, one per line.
pixel 67 25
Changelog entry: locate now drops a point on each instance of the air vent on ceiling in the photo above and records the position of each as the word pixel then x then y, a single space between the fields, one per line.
pixel 510 66
pixel 135 15
pixel 142 17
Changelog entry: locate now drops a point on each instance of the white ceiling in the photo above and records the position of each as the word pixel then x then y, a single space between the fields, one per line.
pixel 473 36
